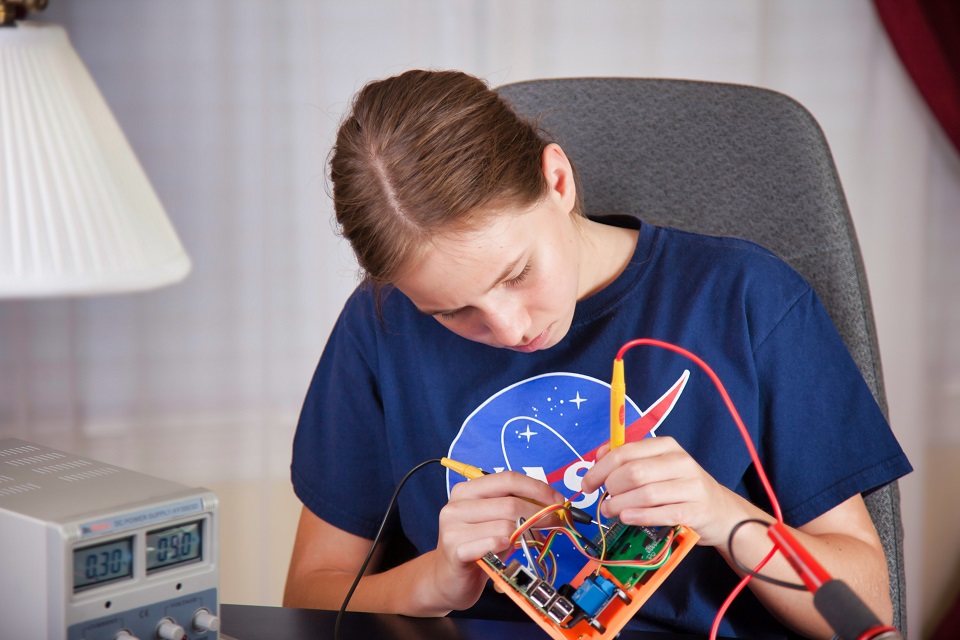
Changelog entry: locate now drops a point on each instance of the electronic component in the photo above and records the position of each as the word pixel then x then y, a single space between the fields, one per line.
pixel 92 551
pixel 520 576
pixel 601 599
pixel 594 594
pixel 625 542
pixel 542 594
pixel 560 610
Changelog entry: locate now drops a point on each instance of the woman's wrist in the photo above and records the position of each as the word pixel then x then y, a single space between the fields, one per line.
pixel 736 509
pixel 415 586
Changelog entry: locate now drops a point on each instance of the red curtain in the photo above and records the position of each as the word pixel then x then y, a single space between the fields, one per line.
pixel 926 35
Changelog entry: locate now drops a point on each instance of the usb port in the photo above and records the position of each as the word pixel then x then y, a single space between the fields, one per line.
pixel 560 610
pixel 542 593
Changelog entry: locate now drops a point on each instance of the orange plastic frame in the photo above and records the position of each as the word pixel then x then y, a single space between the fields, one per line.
pixel 617 613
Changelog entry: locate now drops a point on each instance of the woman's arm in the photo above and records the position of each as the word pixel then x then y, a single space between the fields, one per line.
pixel 325 563
pixel 844 541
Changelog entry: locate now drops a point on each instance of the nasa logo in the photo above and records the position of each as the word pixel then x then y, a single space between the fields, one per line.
pixel 550 427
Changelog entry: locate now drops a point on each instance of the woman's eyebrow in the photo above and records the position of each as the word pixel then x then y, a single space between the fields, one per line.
pixel 503 276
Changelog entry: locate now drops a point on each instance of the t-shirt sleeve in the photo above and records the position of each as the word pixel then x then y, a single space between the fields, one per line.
pixel 824 438
pixel 339 451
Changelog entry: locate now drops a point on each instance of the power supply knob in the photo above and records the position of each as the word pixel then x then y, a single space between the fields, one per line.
pixel 123 634
pixel 169 630
pixel 203 620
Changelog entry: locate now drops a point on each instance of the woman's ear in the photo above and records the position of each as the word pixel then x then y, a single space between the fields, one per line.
pixel 559 175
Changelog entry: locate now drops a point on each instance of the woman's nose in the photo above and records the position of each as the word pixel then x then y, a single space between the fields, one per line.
pixel 507 327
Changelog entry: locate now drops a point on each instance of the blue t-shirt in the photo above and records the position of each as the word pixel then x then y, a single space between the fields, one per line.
pixel 390 393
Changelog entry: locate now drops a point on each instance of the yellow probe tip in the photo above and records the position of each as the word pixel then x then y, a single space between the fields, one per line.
pixel 467 471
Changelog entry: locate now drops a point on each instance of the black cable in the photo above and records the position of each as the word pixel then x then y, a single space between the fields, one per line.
pixel 373 545
pixel 751 572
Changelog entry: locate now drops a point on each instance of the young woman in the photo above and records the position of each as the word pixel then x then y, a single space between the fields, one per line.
pixel 485 331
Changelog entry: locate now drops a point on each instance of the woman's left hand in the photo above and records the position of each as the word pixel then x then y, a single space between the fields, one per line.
pixel 654 482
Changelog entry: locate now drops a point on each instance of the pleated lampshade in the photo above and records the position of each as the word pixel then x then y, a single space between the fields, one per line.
pixel 78 215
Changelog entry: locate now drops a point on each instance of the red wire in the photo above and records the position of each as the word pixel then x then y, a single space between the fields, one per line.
pixel 775 505
pixel 733 595
pixel 726 399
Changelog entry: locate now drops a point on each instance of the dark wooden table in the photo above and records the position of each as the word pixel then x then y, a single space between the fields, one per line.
pixel 246 622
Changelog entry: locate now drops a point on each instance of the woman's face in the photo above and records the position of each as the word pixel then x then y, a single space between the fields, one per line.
pixel 513 283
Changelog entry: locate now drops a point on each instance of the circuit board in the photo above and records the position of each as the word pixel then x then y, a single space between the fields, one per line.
pixel 602 598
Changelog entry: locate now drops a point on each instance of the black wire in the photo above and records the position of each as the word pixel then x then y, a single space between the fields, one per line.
pixel 373 545
pixel 751 572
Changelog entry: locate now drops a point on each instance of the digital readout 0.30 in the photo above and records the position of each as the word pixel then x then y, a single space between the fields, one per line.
pixel 102 563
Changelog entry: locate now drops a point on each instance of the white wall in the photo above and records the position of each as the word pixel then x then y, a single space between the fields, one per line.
pixel 231 107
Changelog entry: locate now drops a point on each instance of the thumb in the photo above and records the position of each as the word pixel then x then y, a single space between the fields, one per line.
pixel 602 451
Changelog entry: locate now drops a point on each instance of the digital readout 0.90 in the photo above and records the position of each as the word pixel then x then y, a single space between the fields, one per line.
pixel 93 566
pixel 174 545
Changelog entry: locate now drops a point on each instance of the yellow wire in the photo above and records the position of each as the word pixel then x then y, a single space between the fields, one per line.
pixel 603 533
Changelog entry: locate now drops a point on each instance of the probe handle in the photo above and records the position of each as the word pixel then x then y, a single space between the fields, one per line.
pixel 848 616
pixel 618 408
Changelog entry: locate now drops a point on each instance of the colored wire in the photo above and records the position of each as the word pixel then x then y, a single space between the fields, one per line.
pixel 603 534
pixel 517 540
pixel 545 559
pixel 526 550
pixel 654 563
pixel 373 545
pixel 539 515
pixel 752 572
pixel 715 628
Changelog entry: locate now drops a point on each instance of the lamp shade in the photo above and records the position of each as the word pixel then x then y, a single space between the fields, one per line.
pixel 78 215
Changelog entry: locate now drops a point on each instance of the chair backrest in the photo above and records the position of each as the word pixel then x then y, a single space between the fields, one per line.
pixel 727 160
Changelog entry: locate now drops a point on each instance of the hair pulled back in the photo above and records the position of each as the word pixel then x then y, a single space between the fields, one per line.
pixel 426 152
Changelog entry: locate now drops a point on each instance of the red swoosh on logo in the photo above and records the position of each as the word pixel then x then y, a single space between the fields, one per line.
pixel 637 430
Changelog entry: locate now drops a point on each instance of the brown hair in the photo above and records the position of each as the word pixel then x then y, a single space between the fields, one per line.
pixel 425 152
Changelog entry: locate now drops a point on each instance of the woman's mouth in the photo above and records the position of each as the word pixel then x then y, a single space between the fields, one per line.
pixel 534 344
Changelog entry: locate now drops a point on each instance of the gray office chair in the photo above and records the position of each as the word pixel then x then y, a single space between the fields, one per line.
pixel 726 160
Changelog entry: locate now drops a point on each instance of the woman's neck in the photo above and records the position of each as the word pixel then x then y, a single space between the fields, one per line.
pixel 605 251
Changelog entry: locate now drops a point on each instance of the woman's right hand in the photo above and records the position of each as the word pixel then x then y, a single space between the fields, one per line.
pixel 480 517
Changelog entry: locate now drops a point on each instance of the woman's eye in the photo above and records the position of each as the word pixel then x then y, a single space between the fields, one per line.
pixel 448 315
pixel 520 277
